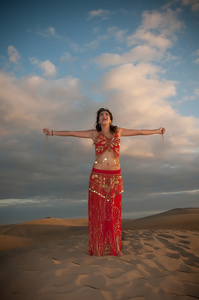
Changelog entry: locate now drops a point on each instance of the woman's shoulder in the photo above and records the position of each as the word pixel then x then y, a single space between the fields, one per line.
pixel 94 133
pixel 119 131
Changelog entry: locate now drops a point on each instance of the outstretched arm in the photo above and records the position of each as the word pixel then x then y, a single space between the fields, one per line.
pixel 131 132
pixel 80 134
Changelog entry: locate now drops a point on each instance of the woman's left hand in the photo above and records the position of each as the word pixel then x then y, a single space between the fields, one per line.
pixel 47 131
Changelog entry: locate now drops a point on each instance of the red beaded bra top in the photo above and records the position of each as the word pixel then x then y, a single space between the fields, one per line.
pixel 102 143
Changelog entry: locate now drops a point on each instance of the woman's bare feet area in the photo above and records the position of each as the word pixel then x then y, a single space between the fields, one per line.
pixel 119 252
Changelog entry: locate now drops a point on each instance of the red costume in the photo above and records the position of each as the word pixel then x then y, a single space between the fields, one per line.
pixel 103 143
pixel 105 203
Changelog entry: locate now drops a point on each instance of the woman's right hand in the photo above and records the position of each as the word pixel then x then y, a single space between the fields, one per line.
pixel 47 131
pixel 162 130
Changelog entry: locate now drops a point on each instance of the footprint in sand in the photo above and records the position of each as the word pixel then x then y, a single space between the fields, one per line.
pixel 55 261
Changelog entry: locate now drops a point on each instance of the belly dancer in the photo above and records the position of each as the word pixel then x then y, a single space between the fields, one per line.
pixel 105 183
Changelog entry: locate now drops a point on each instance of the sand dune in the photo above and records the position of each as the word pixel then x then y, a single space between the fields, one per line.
pixel 47 259
pixel 37 231
pixel 180 218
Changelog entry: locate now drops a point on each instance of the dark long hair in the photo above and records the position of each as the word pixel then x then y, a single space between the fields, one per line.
pixel 98 126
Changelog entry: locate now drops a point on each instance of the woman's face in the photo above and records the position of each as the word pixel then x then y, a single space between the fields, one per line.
pixel 104 118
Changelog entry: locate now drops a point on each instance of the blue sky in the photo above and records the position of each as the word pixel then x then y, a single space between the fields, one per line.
pixel 60 62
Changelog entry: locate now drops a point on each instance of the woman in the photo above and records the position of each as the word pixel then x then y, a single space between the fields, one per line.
pixel 105 184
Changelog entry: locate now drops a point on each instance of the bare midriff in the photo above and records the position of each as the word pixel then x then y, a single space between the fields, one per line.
pixel 107 161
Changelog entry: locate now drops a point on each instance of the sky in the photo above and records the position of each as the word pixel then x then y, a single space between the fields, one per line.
pixel 60 62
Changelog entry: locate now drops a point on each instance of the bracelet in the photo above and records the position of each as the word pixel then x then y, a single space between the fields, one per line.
pixel 52 132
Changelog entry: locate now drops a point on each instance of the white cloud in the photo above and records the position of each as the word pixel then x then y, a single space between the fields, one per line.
pixel 142 53
pixel 92 45
pixel 193 3
pixel 196 91
pixel 66 56
pixel 138 93
pixel 196 53
pixel 100 13
pixel 14 55
pixel 157 29
pixel 96 30
pixel 52 30
pixel 34 60
pixel 111 33
pixel 186 98
pixel 150 41
pixel 139 81
pixel 75 47
pixel 158 41
pixel 120 35
pixel 166 21
pixel 46 66
pixel 49 32
pixel 176 192
pixel 31 102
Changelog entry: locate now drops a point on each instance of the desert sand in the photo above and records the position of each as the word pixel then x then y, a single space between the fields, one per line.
pixel 47 259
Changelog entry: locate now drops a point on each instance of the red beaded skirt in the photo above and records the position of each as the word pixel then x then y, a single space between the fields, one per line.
pixel 104 212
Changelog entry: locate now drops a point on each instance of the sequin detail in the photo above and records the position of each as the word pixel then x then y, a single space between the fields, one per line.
pixel 104 212
pixel 102 143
